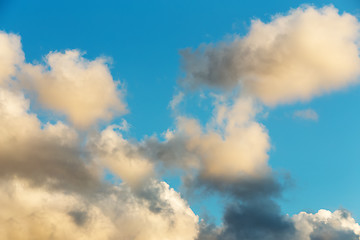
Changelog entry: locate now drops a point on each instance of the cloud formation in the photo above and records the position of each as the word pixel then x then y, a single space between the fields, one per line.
pixel 307 114
pixel 51 188
pixel 263 220
pixel 297 56
pixel 121 157
pixel 326 225
pixel 51 177
pixel 45 155
pixel 11 55
pixel 230 155
pixel 68 83
pixel 256 220
pixel 52 182
pixel 176 100
pixel 29 213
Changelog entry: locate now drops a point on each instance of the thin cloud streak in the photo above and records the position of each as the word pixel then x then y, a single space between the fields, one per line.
pixel 306 114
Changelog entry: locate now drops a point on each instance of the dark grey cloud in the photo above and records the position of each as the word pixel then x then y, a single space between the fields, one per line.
pixel 48 164
pixel 210 65
pixel 262 219
pixel 259 219
pixel 208 231
pixel 255 220
pixel 79 217
pixel 246 188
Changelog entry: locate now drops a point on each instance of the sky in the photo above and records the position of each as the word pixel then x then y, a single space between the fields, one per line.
pixel 199 120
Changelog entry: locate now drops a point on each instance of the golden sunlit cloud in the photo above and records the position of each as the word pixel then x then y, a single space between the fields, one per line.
pixel 297 56
pixel 75 178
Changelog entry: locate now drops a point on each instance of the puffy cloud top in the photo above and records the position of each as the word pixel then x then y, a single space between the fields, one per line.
pixel 326 225
pixel 121 157
pixel 70 84
pixel 52 183
pixel 118 214
pixel 294 57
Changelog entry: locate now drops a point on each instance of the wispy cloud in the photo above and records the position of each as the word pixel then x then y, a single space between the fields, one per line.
pixel 177 99
pixel 307 114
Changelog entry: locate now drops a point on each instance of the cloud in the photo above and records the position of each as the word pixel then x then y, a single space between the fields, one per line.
pixel 37 214
pixel 256 220
pixel 262 219
pixel 43 154
pixel 11 55
pixel 307 114
pixel 51 177
pixel 297 56
pixel 68 83
pixel 119 214
pixel 230 155
pixel 176 100
pixel 326 225
pixel 121 157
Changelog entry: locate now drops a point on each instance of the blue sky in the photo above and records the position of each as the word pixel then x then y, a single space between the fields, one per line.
pixel 143 40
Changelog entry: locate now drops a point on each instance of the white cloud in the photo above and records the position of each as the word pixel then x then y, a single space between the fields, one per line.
pixel 51 188
pixel 326 225
pixel 45 155
pixel 307 114
pixel 294 57
pixel 81 89
pixel 11 55
pixel 50 176
pixel 158 214
pixel 231 150
pixel 239 146
pixel 121 157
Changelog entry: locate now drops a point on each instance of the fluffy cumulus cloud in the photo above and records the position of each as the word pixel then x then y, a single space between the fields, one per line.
pixel 81 89
pixel 50 188
pixel 229 155
pixel 326 225
pixel 11 55
pixel 293 57
pixel 52 175
pixel 43 154
pixel 36 214
pixel 121 157
pixel 240 150
pixel 118 214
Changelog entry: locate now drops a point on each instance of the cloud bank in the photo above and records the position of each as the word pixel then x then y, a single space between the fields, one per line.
pixel 53 176
pixel 52 185
pixel 119 214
